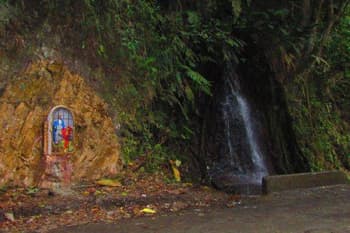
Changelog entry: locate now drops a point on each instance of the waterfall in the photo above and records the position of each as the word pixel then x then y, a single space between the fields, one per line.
pixel 235 103
pixel 236 156
pixel 259 169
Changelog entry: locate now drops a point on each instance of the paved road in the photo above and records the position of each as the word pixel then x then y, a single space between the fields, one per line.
pixel 317 210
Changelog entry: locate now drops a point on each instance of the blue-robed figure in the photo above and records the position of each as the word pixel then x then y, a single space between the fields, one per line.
pixel 57 127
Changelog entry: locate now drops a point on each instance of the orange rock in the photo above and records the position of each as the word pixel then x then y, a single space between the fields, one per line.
pixel 24 106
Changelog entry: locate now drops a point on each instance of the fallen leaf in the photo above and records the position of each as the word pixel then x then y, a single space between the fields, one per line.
pixel 148 211
pixel 178 205
pixel 86 193
pixel 10 216
pixel 91 190
pixel 136 211
pixel 176 171
pixel 98 192
pixel 108 182
pixel 187 184
pixel 32 190
pixel 176 191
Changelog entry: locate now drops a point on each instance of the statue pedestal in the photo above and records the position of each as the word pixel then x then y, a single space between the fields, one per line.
pixel 58 171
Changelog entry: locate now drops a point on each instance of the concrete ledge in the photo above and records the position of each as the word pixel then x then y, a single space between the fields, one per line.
pixel 277 183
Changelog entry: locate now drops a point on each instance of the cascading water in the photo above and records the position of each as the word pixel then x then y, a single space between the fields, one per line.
pixel 236 159
pixel 258 170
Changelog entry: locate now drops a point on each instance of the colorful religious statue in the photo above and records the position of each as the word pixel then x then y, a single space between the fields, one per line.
pixel 62 131
pixel 58 148
pixel 57 126
pixel 67 136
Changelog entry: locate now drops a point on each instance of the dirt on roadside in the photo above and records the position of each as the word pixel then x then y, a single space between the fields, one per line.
pixel 40 210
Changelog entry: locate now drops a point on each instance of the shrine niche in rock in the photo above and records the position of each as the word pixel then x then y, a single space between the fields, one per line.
pixel 58 148
pixel 57 131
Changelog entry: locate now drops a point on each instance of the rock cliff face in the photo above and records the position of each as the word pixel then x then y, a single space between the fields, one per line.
pixel 24 107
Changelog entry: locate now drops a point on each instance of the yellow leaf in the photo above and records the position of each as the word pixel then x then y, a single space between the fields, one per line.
pixel 86 193
pixel 98 192
pixel 124 194
pixel 109 182
pixel 148 211
pixel 176 171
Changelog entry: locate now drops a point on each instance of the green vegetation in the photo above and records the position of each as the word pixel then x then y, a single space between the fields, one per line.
pixel 320 103
pixel 154 62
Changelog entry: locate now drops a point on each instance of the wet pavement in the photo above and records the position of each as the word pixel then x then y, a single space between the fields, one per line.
pixel 316 210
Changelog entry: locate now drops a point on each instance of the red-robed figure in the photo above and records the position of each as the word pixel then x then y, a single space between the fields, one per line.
pixel 66 135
